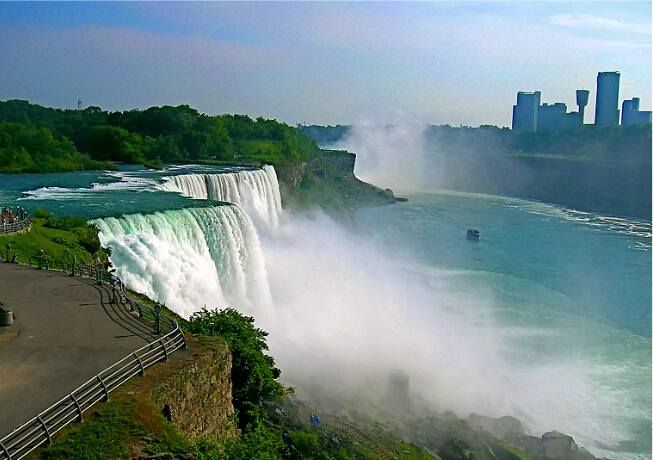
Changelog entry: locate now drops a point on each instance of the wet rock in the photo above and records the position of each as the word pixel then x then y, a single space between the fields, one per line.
pixel 558 445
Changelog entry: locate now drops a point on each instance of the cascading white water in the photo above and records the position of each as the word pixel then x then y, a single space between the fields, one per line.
pixel 256 191
pixel 190 258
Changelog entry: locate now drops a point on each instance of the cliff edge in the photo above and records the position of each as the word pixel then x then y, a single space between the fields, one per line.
pixel 329 183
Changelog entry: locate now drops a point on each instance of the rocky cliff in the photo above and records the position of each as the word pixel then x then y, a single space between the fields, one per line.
pixel 196 397
pixel 329 183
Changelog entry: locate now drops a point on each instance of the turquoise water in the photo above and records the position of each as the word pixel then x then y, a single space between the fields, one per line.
pixel 547 317
pixel 95 194
pixel 567 296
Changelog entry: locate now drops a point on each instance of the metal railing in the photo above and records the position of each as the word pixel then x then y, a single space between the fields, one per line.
pixel 333 421
pixel 16 227
pixel 40 429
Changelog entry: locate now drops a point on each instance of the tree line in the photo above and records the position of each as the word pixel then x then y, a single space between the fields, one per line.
pixel 42 139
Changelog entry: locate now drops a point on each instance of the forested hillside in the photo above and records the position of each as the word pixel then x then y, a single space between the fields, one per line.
pixel 40 139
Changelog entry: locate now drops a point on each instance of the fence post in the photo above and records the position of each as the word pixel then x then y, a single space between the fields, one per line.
pixel 45 427
pixel 5 450
pixel 165 350
pixel 104 387
pixel 79 408
pixel 112 280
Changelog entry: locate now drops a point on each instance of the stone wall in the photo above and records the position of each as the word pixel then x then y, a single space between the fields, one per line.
pixel 196 399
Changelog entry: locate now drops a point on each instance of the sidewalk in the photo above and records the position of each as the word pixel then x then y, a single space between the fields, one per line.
pixel 67 332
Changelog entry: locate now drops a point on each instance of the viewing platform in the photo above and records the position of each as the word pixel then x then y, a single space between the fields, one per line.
pixel 65 330
pixel 14 220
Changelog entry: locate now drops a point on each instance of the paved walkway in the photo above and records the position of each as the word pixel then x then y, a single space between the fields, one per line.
pixel 67 332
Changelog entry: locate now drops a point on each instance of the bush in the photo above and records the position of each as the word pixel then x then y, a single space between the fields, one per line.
pixel 253 374
pixel 42 214
pixel 305 442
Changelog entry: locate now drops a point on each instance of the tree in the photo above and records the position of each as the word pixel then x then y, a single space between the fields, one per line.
pixel 253 375
pixel 113 144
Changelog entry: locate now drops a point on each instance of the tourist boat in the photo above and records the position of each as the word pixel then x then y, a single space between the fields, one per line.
pixel 473 234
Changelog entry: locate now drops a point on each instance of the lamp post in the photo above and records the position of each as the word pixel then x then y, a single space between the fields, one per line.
pixel 157 312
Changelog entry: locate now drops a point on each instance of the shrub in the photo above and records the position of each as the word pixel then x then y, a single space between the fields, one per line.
pixel 42 214
pixel 253 373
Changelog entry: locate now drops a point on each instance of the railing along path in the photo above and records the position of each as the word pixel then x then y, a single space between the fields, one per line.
pixel 333 421
pixel 19 226
pixel 40 429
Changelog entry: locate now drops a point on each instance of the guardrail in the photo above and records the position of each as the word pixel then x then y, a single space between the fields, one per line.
pixel 16 227
pixel 40 429
pixel 333 421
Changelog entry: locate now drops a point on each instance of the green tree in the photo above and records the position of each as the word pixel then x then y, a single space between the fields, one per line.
pixel 253 375
pixel 110 143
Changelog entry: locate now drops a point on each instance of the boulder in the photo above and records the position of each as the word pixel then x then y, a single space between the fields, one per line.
pixel 558 445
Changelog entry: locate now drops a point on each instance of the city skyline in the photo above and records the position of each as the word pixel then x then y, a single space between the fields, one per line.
pixel 324 63
pixel 529 115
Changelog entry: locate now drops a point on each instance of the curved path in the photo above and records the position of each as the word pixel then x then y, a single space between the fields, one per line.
pixel 66 331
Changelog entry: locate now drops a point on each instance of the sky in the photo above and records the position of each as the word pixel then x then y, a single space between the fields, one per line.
pixel 324 63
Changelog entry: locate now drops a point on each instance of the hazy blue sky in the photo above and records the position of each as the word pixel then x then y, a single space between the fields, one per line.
pixel 452 62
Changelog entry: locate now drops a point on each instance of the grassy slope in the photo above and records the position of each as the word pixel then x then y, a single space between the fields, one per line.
pixel 55 243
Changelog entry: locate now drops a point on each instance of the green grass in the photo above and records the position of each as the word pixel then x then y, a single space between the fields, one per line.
pixel 56 243
pixel 101 437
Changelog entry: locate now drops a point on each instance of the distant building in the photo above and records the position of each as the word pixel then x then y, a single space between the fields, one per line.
pixel 555 118
pixel 529 115
pixel 607 99
pixel 630 113
pixel 551 117
pixel 582 97
pixel 524 114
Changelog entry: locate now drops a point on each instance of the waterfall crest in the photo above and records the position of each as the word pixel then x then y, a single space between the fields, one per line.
pixel 256 191
pixel 184 257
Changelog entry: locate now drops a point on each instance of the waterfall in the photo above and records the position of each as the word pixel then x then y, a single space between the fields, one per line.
pixel 184 257
pixel 255 191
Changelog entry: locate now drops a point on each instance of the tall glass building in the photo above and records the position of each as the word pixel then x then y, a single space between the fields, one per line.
pixel 607 99
pixel 524 114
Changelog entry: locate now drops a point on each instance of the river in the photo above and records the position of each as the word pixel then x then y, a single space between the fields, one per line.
pixel 547 317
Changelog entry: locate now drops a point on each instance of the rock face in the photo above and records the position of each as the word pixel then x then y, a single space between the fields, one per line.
pixel 558 445
pixel 497 427
pixel 328 182
pixel 197 398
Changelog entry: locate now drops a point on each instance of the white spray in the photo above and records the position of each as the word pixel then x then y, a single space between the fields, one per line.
pixel 190 258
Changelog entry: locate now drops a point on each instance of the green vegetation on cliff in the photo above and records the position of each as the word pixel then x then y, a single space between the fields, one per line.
pixel 253 374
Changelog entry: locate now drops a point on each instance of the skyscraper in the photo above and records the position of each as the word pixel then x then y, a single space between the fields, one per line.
pixel 524 114
pixel 607 99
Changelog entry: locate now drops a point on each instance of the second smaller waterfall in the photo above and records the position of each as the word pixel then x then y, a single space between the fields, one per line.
pixel 255 191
